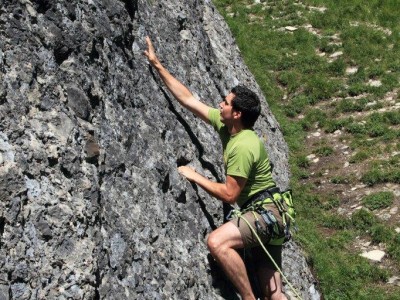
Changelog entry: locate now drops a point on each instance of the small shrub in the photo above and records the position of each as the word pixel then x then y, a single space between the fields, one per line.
pixel 303 174
pixel 340 180
pixel 394 161
pixel 291 129
pixel 324 151
pixel 392 117
pixel 357 89
pixel 291 111
pixel 394 176
pixel 368 270
pixel 381 233
pixel 362 142
pixel 289 79
pixel 340 240
pixel 355 128
pixel 302 161
pixel 331 202
pixel 316 115
pixel 359 157
pixel 306 124
pixel 338 67
pixel 394 248
pixel 311 201
pixel 390 80
pixel 372 177
pixel 376 118
pixel 319 87
pixel 336 222
pixel 378 200
pixel 363 219
pixel 327 47
pixel 331 125
pixel 359 77
pixel 312 117
pixel 375 176
pixel 347 105
pixel 375 129
pixel 390 135
pixel 375 71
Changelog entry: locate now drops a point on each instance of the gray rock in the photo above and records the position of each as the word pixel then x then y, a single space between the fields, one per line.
pixel 91 203
pixel 78 102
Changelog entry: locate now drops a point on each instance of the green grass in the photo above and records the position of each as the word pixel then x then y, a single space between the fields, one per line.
pixel 342 179
pixel 324 150
pixel 363 220
pixel 360 156
pixel 291 64
pixel 382 172
pixel 350 105
pixel 378 200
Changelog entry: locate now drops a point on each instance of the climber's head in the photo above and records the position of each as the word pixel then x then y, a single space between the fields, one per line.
pixel 248 103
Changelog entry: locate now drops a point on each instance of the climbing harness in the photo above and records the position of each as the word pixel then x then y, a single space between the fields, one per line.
pixel 284 203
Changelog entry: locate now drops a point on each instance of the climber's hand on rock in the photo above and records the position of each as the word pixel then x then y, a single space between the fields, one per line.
pixel 150 52
pixel 187 172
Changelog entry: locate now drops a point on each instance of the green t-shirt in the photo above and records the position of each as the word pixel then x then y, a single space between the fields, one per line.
pixel 244 156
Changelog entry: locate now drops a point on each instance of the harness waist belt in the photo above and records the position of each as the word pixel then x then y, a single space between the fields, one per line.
pixel 267 193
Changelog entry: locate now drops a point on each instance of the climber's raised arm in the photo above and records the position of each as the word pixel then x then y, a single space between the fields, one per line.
pixel 180 92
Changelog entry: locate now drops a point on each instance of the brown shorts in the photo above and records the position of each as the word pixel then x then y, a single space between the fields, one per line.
pixel 250 241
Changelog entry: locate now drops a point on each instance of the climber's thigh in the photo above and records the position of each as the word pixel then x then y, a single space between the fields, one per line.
pixel 249 239
pixel 227 235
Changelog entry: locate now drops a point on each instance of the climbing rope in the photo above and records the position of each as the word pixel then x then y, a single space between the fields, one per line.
pixel 270 257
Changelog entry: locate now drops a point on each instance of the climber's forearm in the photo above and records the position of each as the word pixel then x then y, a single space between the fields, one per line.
pixel 180 92
pixel 215 189
pixel 227 192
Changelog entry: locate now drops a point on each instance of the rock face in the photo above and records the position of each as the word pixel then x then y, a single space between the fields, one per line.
pixel 92 206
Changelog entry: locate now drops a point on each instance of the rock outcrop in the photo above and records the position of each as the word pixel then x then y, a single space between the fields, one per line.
pixel 92 206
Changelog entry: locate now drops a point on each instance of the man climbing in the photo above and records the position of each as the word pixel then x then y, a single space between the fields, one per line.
pixel 248 179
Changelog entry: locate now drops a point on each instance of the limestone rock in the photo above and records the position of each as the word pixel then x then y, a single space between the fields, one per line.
pixel 374 255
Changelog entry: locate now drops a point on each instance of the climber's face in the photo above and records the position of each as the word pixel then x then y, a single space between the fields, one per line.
pixel 228 114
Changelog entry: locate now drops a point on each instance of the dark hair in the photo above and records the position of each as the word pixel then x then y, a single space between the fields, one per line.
pixel 248 103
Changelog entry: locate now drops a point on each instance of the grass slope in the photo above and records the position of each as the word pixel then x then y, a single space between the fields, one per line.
pixel 331 73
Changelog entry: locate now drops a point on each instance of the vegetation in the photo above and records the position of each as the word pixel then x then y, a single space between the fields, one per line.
pixel 330 71
pixel 378 200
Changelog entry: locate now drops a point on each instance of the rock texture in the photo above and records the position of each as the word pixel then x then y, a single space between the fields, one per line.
pixel 92 206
